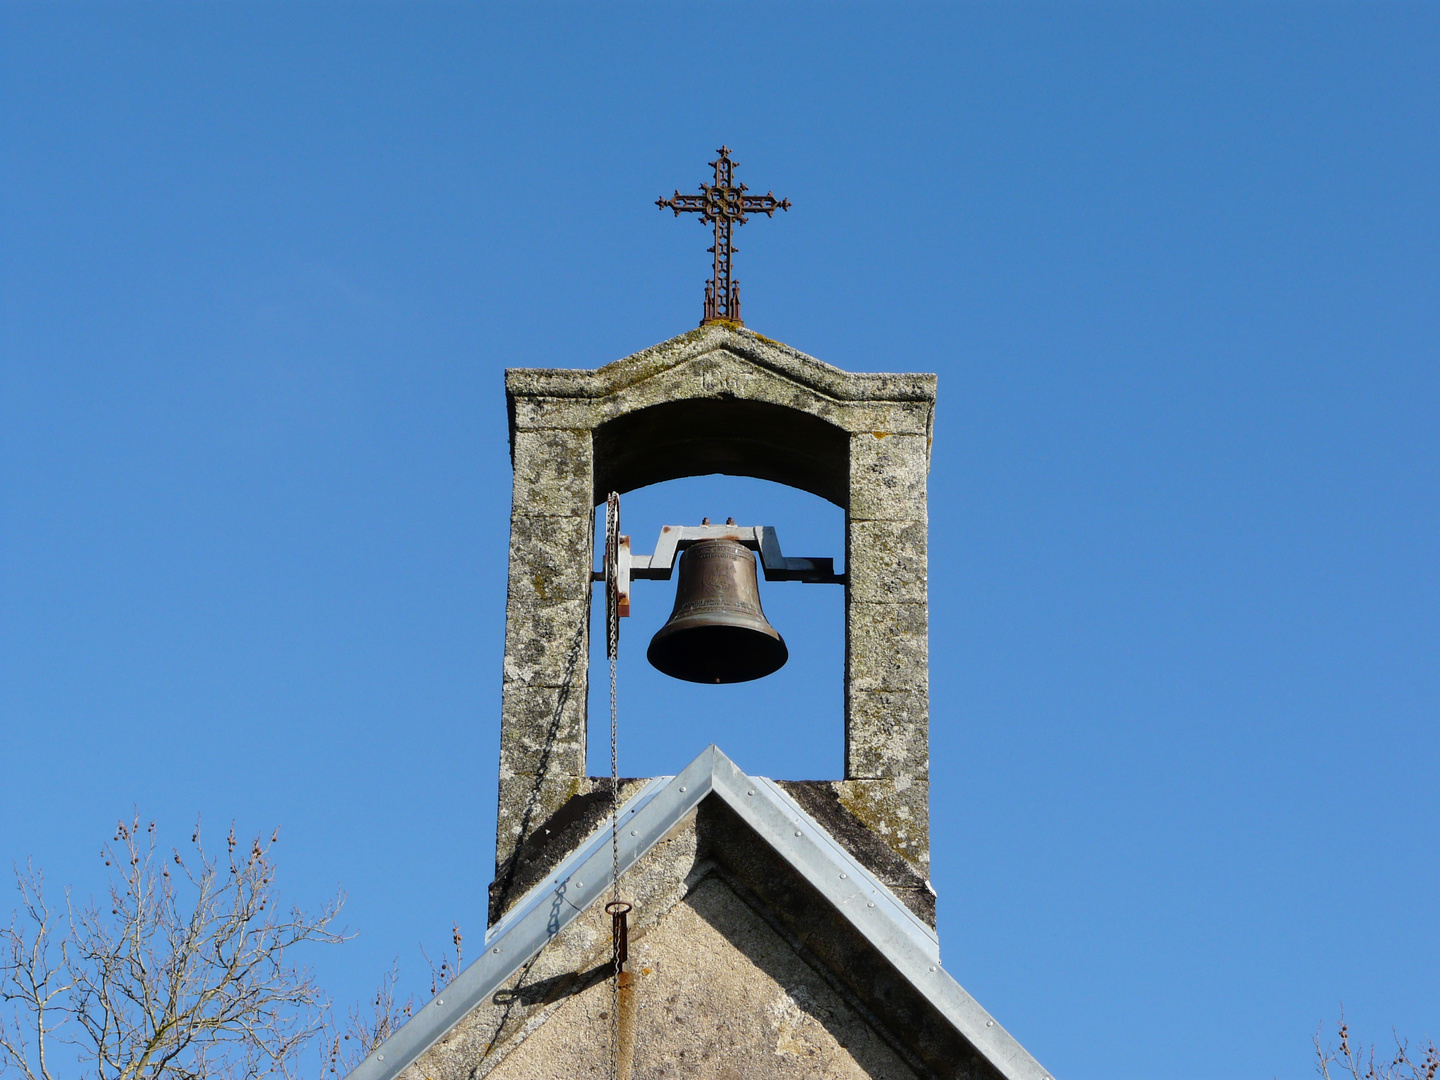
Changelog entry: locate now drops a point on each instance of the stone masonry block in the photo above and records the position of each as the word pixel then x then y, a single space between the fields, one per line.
pixel 547 645
pixel 899 418
pixel 550 559
pixel 542 730
pixel 887 647
pixel 553 472
pixel 887 477
pixel 526 803
pixel 887 562
pixel 722 374
pixel 896 810
pixel 538 413
pixel 888 735
pixel 717 373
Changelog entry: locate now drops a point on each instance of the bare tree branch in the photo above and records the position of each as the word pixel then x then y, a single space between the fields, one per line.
pixel 361 1034
pixel 32 979
pixel 188 977
pixel 1358 1063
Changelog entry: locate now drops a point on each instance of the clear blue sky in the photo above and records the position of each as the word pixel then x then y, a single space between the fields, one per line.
pixel 1178 269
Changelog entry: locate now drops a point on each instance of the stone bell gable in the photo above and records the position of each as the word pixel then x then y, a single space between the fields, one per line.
pixel 775 928
pixel 720 399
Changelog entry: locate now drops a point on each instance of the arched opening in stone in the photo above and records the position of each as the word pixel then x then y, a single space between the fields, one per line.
pixel 733 436
pixel 789 725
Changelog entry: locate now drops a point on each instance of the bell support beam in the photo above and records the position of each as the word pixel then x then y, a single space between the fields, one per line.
pixel 675 538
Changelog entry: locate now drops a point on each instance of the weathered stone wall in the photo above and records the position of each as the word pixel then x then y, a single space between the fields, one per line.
pixel 887 644
pixel 741 968
pixel 718 994
pixel 720 399
pixel 547 632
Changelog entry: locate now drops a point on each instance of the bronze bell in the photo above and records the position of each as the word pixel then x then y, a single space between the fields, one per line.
pixel 717 632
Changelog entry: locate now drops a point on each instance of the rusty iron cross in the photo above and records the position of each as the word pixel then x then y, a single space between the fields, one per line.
pixel 724 204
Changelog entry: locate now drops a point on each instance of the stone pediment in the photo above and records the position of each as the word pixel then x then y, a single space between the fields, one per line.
pixel 721 399
pixel 760 947
pixel 727 348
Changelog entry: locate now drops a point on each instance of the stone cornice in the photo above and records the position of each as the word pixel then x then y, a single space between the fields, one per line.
pixel 773 356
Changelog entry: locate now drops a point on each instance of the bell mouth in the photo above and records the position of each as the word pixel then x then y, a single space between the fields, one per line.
pixel 714 652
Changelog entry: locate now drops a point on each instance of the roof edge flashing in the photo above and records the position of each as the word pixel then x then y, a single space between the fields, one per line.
pixel 584 877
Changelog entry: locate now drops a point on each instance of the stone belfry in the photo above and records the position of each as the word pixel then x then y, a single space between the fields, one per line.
pixel 771 928
pixel 719 400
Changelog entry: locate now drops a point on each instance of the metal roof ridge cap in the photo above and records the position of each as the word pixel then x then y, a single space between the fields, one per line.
pixel 880 902
pixel 710 772
pixel 578 857
pixel 974 1021
pixel 585 851
pixel 600 836
pixel 921 967
pixel 840 854
pixel 435 1019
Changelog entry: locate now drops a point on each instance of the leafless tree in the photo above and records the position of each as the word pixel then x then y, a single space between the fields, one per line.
pixel 188 977
pixel 1334 1062
pixel 443 975
pixel 364 1030
pixel 352 1041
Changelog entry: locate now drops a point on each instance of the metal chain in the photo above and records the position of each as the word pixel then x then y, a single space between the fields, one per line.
pixel 612 618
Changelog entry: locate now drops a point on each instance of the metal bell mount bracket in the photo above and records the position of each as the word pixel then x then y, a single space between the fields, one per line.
pixel 675 538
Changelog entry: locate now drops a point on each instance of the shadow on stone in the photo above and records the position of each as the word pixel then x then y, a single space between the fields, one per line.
pixel 546 991
pixel 820 936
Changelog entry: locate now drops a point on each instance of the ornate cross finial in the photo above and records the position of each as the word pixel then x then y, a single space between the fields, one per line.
pixel 724 204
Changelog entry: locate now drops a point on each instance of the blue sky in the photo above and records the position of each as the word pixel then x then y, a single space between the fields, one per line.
pixel 1177 267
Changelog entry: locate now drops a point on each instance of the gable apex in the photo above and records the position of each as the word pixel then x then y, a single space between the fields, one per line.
pixel 888 936
pixel 771 356
pixel 719 399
